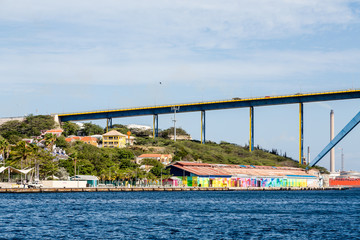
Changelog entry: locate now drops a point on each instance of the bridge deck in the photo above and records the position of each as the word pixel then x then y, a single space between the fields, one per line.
pixel 213 105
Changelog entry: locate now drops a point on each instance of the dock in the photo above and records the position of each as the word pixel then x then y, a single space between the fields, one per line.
pixel 161 189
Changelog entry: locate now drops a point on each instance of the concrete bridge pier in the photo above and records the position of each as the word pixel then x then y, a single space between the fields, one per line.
pixel 203 118
pixel 251 137
pixel 108 124
pixel 301 133
pixel 155 126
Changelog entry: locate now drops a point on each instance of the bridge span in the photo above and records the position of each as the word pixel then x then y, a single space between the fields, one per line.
pixel 251 103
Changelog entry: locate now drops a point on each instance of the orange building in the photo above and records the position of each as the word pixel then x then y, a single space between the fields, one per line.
pixel 56 132
pixel 88 140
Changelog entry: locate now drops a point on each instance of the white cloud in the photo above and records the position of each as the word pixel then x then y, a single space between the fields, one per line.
pixel 95 67
pixel 204 24
pixel 134 42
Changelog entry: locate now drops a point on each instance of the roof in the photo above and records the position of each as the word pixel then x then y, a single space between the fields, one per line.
pixel 85 139
pixel 154 155
pixel 114 133
pixel 206 169
pixel 85 177
pixel 59 130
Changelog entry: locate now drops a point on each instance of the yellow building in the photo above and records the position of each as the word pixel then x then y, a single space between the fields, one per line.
pixel 114 139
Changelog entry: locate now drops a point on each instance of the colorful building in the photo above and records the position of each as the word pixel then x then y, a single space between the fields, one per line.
pixel 225 175
pixel 114 139
pixel 88 140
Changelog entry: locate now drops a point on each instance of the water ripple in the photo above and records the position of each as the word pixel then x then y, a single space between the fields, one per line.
pixel 181 215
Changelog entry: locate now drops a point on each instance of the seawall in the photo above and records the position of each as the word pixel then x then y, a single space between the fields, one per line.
pixel 158 189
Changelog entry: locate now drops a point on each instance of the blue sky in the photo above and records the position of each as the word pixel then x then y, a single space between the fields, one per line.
pixel 65 56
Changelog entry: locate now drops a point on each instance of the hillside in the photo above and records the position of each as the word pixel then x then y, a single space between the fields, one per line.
pixel 225 153
pixel 115 163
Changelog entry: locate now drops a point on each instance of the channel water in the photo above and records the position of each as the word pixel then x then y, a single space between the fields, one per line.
pixel 182 215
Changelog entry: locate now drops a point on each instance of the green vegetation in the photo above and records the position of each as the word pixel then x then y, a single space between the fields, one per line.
pixel 14 131
pixel 70 128
pixel 92 129
pixel 113 163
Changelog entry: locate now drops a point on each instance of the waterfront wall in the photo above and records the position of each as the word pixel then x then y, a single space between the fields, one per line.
pixel 64 184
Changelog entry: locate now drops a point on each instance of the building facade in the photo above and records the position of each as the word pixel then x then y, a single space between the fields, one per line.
pixel 114 139
pixel 88 140
pixel 225 175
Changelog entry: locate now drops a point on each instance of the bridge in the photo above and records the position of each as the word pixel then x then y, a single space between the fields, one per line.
pixel 251 103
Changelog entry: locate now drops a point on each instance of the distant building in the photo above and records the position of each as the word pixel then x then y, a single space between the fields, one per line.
pixel 180 137
pixel 91 181
pixel 163 158
pixel 114 139
pixel 141 127
pixel 228 175
pixel 88 140
pixel 130 140
pixel 57 132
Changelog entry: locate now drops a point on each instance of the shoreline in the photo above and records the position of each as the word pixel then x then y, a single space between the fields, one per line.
pixel 163 189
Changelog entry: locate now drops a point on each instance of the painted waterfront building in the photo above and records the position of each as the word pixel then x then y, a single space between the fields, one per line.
pixel 226 175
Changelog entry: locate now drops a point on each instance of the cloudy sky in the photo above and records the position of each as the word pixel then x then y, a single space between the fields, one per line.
pixel 65 56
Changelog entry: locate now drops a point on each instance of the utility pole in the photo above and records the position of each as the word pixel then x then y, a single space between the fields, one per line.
pixel 342 159
pixel 176 108
pixel 308 156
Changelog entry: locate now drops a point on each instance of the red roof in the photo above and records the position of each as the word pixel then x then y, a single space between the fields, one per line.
pixel 55 131
pixel 205 169
pixel 153 155
pixel 84 139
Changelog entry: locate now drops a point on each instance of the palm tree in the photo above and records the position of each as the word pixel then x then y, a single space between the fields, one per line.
pixel 4 149
pixel 21 152
pixel 50 140
pixel 74 157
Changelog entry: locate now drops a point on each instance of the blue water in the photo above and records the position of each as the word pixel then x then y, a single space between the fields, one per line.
pixel 181 215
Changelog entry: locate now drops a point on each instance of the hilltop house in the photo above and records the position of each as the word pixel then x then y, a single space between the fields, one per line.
pixel 163 158
pixel 88 140
pixel 116 139
pixel 57 132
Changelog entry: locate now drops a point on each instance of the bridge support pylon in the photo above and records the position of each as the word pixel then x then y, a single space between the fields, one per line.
pixel 155 126
pixel 108 124
pixel 301 133
pixel 251 134
pixel 203 127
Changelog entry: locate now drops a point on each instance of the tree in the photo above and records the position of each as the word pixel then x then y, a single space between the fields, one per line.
pixel 170 131
pixel 22 152
pixel 11 128
pixel 31 126
pixel 70 128
pixel 47 165
pixel 4 149
pixel 34 124
pixel 92 129
pixel 61 142
pixel 50 140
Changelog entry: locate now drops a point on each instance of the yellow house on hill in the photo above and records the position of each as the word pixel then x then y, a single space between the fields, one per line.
pixel 114 139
